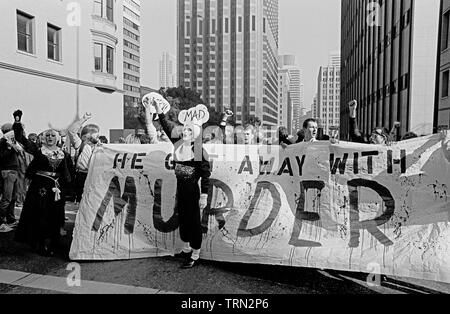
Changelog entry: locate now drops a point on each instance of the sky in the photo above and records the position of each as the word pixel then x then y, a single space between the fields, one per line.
pixel 309 29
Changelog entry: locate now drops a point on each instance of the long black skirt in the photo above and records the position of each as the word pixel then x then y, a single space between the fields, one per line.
pixel 42 217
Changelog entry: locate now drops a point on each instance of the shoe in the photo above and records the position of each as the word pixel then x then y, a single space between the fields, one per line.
pixel 183 255
pixel 14 224
pixel 5 228
pixel 189 263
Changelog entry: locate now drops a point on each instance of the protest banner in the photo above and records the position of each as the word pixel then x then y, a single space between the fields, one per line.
pixel 345 206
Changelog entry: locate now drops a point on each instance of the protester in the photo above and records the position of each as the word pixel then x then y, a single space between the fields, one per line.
pixel 379 136
pixel 309 132
pixel 50 172
pixel 10 152
pixel 89 141
pixel 191 165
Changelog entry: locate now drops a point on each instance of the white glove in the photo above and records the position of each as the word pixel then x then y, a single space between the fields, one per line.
pixel 203 202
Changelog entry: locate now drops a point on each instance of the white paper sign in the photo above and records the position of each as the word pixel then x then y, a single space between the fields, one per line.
pixel 198 115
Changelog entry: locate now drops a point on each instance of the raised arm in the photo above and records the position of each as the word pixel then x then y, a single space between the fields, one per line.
pixel 355 134
pixel 74 128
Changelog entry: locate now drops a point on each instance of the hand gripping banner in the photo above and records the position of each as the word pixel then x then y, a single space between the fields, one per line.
pixel 346 206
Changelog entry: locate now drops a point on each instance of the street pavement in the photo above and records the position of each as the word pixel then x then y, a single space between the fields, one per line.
pixel 24 272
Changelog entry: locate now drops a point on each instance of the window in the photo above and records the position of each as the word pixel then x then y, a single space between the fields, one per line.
pixel 240 24
pixel 445 81
pixel 109 60
pixel 253 23
pixel 188 28
pixel 226 25
pixel 213 27
pixel 445 30
pixel 110 10
pixel 98 7
pixel 264 25
pixel 53 42
pixel 200 28
pixel 98 56
pixel 25 32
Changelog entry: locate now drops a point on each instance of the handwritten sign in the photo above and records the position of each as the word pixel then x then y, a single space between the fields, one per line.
pixel 198 115
pixel 150 98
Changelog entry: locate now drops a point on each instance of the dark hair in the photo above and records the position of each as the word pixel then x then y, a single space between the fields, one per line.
pixel 384 132
pixel 301 136
pixel 305 124
pixel 103 139
pixel 409 136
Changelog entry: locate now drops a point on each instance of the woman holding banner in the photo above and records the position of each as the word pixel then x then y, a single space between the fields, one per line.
pixel 191 165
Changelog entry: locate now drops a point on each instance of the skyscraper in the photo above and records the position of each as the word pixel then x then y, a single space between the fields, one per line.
pixel 296 89
pixel 131 61
pixel 389 61
pixel 227 50
pixel 167 71
pixel 327 101
pixel 442 112
pixel 284 99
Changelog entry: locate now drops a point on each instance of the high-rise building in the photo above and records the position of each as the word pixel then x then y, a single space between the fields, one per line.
pixel 327 102
pixel 60 59
pixel 284 99
pixel 389 60
pixel 442 112
pixel 334 59
pixel 315 109
pixel 167 71
pixel 227 50
pixel 296 89
pixel 131 60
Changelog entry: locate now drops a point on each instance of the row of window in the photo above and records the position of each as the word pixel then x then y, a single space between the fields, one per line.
pixel 226 26
pixel 130 34
pixel 26 37
pixel 130 45
pixel 131 88
pixel 130 23
pixel 131 56
pixel 131 78
pixel 131 67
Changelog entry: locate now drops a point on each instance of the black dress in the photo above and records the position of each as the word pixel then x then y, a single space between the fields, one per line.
pixel 188 173
pixel 43 212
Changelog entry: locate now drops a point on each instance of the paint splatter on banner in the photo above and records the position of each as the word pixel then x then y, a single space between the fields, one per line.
pixel 343 206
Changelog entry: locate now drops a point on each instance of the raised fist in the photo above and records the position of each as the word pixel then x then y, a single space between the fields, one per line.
pixel 353 105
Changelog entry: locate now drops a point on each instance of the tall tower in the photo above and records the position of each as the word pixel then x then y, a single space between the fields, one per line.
pixel 167 71
pixel 296 89
pixel 227 50
pixel 131 61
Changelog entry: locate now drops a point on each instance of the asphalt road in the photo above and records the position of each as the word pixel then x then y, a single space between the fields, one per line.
pixel 165 275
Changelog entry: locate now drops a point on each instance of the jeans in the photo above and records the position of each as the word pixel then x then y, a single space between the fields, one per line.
pixel 9 196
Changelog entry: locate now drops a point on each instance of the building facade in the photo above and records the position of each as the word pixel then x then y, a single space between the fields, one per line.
pixel 167 71
pixel 284 99
pixel 328 103
pixel 296 89
pixel 389 60
pixel 227 50
pixel 60 59
pixel 442 113
pixel 131 61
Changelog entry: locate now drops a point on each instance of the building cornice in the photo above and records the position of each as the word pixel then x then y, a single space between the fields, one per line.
pixel 51 76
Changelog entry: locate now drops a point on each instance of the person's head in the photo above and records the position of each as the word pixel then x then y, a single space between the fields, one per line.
pixel 6 128
pixel 51 138
pixel 33 137
pixel 191 132
pixel 91 133
pixel 132 139
pixel 103 139
pixel 409 135
pixel 249 135
pixel 283 133
pixel 311 129
pixel 379 136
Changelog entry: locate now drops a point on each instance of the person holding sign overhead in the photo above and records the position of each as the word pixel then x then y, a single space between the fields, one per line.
pixel 191 165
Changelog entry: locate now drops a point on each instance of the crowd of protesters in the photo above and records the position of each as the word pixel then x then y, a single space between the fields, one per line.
pixel 41 171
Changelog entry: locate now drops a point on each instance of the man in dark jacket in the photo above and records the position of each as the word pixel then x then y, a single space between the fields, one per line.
pixel 9 161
